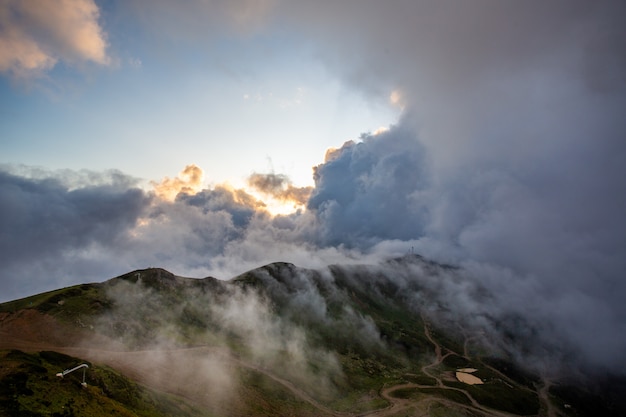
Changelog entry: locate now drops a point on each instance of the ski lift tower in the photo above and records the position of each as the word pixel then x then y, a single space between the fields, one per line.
pixel 67 371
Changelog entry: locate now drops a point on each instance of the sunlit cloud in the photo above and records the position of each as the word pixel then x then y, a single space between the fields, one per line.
pixel 35 36
pixel 380 130
pixel 188 181
pixel 334 153
pixel 242 197
pixel 19 54
pixel 397 99
pixel 279 194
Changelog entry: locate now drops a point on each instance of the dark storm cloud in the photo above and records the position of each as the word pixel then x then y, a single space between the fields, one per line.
pixel 486 82
pixel 370 191
pixel 43 220
pixel 545 242
pixel 44 215
pixel 518 108
pixel 66 227
pixel 240 205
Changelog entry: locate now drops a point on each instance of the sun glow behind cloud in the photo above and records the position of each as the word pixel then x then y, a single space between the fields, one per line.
pixel 188 181
pixel 396 98
pixel 273 193
pixel 278 193
pixel 275 206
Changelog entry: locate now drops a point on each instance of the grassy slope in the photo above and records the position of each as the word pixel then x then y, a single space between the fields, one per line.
pixel 29 387
pixel 398 357
pixel 405 347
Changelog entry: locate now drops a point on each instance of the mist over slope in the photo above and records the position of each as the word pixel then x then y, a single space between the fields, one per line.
pixel 368 202
pixel 277 308
pixel 542 232
pixel 331 337
pixel 30 387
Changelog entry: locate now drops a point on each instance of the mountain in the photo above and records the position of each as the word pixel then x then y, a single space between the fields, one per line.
pixel 346 340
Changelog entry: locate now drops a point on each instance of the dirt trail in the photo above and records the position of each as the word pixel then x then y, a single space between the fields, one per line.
pixel 128 361
pixel 439 357
pixel 161 369
pixel 544 397
pixel 177 370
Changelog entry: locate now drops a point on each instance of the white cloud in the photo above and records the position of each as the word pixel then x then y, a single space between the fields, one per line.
pixel 36 35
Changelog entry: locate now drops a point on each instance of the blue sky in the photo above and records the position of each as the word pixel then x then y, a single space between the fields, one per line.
pixel 233 105
pixel 504 150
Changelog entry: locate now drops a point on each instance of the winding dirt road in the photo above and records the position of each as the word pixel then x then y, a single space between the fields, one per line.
pixel 203 375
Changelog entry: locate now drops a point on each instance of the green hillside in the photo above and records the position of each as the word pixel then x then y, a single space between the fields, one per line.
pixel 277 340
pixel 29 387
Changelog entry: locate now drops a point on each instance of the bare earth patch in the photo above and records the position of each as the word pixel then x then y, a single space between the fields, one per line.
pixel 468 378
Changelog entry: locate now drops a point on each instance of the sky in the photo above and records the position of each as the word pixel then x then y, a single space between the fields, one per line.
pixel 217 136
pixel 129 91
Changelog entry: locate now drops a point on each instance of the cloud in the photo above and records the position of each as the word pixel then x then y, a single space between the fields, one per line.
pixel 200 20
pixel 473 75
pixel 237 203
pixel 48 226
pixel 542 237
pixel 64 227
pixel 372 190
pixel 279 186
pixel 35 36
pixel 188 181
pixel 514 113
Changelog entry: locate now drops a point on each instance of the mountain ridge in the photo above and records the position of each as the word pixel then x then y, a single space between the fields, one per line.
pixel 330 341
